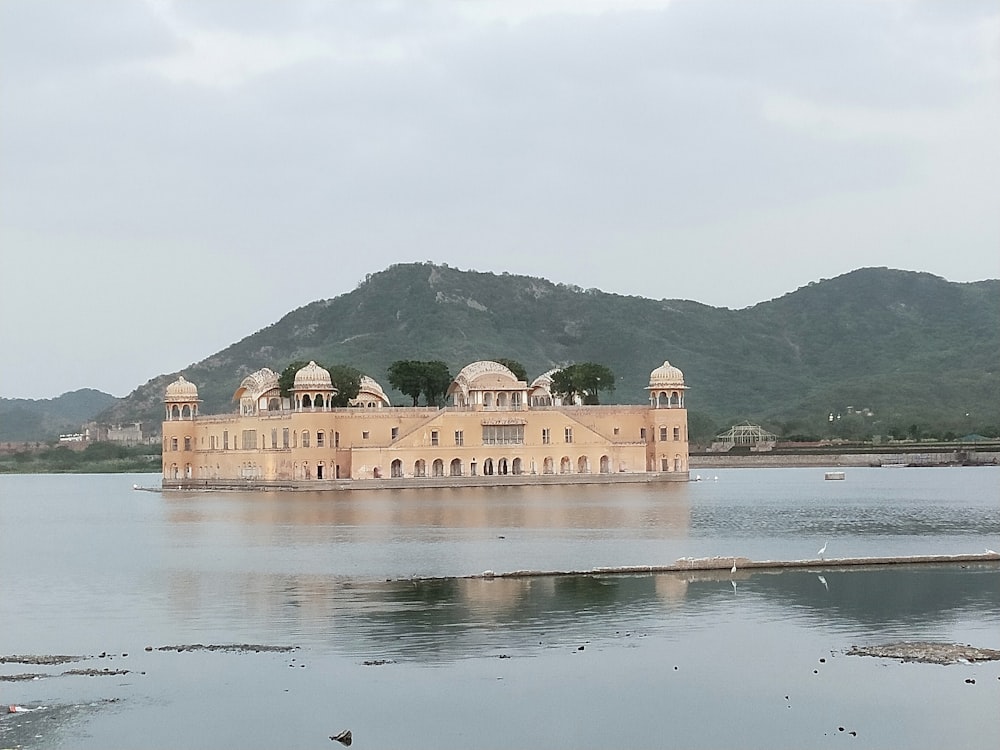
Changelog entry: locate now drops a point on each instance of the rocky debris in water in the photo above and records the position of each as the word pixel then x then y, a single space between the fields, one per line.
pixel 929 653
pixel 46 659
pixel 95 672
pixel 21 677
pixel 238 648
pixel 377 662
pixel 344 738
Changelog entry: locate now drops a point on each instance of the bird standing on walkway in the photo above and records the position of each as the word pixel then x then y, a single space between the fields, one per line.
pixel 822 551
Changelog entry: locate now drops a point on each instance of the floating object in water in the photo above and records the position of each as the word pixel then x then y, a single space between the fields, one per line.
pixel 833 475
pixel 344 738
pixel 823 581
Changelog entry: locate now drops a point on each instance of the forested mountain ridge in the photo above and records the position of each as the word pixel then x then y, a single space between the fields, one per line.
pixel 912 347
pixel 26 419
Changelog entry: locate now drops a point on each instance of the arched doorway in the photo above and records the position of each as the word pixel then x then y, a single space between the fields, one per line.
pixel 420 468
pixel 396 469
pixel 564 465
pixel 605 465
pixel 488 467
pixel 583 465
pixel 456 467
pixel 502 467
pixel 437 468
pixel 548 465
pixel 516 466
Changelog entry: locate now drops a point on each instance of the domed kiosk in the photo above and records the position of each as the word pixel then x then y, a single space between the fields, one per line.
pixel 181 400
pixel 666 387
pixel 370 395
pixel 488 385
pixel 313 388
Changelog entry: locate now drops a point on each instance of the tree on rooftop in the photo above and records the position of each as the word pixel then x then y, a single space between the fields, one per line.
pixel 286 380
pixel 414 377
pixel 583 381
pixel 347 381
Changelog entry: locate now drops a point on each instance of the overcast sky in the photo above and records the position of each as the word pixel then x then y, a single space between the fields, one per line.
pixel 177 175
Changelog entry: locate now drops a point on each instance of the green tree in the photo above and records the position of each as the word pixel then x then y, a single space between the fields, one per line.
pixel 286 380
pixel 413 378
pixel 436 380
pixel 347 381
pixel 406 376
pixel 514 366
pixel 583 380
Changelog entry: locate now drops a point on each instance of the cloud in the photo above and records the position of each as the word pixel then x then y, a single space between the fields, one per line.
pixel 278 152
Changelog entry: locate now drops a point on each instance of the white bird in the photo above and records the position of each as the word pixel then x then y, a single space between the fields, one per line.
pixel 822 551
pixel 990 552
pixel 732 571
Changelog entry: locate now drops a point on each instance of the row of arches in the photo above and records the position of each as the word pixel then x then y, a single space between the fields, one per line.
pixel 500 467
pixel 667 399
pixel 177 412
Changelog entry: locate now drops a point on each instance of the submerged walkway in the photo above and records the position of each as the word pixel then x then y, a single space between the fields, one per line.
pixel 724 565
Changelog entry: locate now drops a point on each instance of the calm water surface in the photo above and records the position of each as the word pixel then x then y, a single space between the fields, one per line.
pixel 89 567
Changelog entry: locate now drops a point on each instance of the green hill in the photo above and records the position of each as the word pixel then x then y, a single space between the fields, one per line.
pixel 920 352
pixel 25 419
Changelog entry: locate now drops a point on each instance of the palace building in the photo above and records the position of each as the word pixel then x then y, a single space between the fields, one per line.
pixel 496 429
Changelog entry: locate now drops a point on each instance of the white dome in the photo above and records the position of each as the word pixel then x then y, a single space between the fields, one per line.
pixel 312 377
pixel 181 390
pixel 666 376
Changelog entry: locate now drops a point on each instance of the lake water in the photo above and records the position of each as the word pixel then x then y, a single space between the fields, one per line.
pixel 90 567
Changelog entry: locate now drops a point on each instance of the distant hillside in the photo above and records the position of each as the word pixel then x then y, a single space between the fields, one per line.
pixel 23 419
pixel 912 347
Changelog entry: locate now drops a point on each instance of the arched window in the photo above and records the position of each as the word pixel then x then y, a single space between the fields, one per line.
pixel 675 398
pixel 488 399
pixel 501 400
pixel 318 403
pixel 274 404
pixel 396 468
pixel 307 401
pixel 438 467
pixel 305 438
pixel 320 439
pixel 582 465
pixel 175 412
pixel 605 465
pixel 564 465
pixel 662 400
pixel 420 468
pixel 456 467
pixel 186 412
pixel 173 443
pixel 677 463
pixel 502 467
pixel 516 466
pixel 187 442
pixel 547 465
pixel 488 467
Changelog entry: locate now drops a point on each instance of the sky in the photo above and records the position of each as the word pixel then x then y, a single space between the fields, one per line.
pixel 178 174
